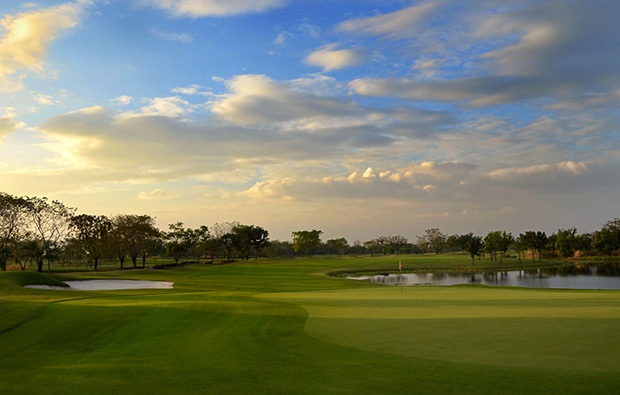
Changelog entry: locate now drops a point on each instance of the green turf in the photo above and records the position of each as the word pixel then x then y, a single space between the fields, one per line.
pixel 283 327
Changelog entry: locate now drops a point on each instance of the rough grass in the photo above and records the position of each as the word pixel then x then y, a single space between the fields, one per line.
pixel 282 327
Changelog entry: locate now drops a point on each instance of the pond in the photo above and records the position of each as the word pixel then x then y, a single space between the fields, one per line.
pixel 106 285
pixel 579 276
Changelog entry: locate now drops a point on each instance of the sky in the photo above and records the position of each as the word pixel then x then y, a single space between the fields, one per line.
pixel 360 118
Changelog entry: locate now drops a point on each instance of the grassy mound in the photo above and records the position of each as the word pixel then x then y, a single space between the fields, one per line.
pixel 29 278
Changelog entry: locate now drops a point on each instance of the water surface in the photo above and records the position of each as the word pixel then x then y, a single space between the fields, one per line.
pixel 581 276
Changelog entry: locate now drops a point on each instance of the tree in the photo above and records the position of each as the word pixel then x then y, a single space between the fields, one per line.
pixel 474 245
pixel 491 243
pixel 177 242
pixel 242 240
pixel 371 245
pixel 139 234
pixel 565 242
pixel 93 234
pixel 13 224
pixel 50 222
pixel 583 242
pixel 397 243
pixel 422 243
pixel 118 242
pixel 505 241
pixel 453 243
pixel 436 240
pixel 202 237
pixel 228 242
pixel 259 239
pixel 280 248
pixel 338 246
pixel 536 241
pixel 357 248
pixel 607 240
pixel 223 232
pixel 250 237
pixel 306 240
pixel 520 245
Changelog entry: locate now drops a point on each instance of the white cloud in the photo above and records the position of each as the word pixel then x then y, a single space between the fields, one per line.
pixel 157 194
pixel 330 58
pixel 417 181
pixel 369 173
pixel 573 167
pixel 192 90
pixel 170 36
pixel 172 106
pixel 204 8
pixel 45 99
pixel 122 100
pixel 281 38
pixel 396 24
pixel 257 99
pixel 27 37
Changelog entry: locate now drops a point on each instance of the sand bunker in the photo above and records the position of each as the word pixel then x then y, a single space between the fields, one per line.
pixel 106 285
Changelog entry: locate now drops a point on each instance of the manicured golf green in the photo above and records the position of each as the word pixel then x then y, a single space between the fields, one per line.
pixel 283 326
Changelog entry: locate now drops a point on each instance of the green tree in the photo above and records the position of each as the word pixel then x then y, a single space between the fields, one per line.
pixel 93 233
pixel 520 245
pixel 118 242
pixel 607 240
pixel 565 242
pixel 202 237
pixel 139 233
pixel 536 242
pixel 50 224
pixel 306 240
pixel 504 242
pixel 473 245
pixel 228 242
pixel 242 240
pixel 422 243
pixel 177 241
pixel 436 240
pixel 371 246
pixel 338 246
pixel 491 243
pixel 280 248
pixel 13 225
pixel 259 239
pixel 397 243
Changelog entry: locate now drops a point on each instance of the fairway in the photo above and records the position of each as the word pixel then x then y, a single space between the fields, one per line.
pixel 285 327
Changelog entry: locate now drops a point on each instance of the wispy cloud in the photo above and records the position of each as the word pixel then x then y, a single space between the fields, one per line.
pixel 330 58
pixel 185 38
pixel 157 194
pixel 396 24
pixel 122 100
pixel 45 99
pixel 205 8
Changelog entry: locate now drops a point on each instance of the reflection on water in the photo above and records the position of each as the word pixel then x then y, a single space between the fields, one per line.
pixel 579 276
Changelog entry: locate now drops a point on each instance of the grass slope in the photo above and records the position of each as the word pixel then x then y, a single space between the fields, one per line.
pixel 279 327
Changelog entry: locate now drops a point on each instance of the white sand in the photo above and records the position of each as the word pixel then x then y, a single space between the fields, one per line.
pixel 106 285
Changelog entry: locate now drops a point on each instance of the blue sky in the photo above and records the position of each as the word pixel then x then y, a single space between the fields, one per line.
pixel 360 118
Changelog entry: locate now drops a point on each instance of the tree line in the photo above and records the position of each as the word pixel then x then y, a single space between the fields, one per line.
pixel 36 231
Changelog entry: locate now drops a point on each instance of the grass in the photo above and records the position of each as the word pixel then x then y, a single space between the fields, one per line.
pixel 282 326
